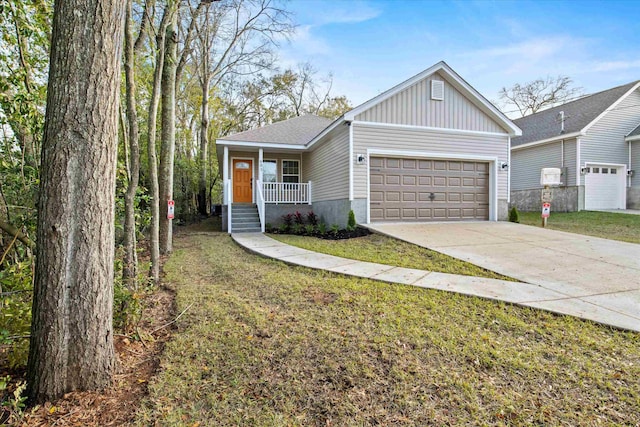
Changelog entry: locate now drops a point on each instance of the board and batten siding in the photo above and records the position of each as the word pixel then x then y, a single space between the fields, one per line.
pixel 421 142
pixel 414 106
pixel 605 141
pixel 327 166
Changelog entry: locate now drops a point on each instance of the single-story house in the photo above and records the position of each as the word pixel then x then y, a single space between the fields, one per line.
pixel 594 140
pixel 429 149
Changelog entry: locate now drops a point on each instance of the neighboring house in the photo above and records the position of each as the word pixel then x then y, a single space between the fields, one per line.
pixel 429 149
pixel 595 140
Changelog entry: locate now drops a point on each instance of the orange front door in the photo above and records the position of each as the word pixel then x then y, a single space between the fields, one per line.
pixel 242 181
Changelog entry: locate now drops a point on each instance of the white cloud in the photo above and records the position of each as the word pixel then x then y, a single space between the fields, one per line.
pixel 615 65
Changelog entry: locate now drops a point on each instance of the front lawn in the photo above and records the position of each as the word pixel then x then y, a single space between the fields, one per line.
pixel 615 226
pixel 386 250
pixel 262 343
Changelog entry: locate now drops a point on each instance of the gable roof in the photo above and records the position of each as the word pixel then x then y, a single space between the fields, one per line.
pixel 579 115
pixel 295 131
pixel 634 134
pixel 457 82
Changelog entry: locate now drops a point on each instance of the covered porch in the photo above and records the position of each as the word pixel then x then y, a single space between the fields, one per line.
pixel 266 181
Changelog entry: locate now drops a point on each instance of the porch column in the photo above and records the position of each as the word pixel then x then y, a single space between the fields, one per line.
pixel 260 155
pixel 225 175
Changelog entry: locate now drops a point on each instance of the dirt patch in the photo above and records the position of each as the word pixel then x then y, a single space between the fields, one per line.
pixel 138 359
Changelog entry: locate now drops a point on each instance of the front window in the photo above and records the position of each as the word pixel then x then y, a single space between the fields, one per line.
pixel 269 171
pixel 291 171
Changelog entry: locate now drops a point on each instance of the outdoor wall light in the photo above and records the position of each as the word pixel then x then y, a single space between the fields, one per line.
pixel 504 166
pixel 361 159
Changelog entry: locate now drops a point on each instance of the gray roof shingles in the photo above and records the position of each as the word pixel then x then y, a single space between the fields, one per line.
pixel 295 131
pixel 635 132
pixel 578 114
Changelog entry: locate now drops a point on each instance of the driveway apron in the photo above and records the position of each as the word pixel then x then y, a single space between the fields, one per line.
pixel 591 273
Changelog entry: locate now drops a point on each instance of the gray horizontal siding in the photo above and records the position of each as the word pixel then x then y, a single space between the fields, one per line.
pixel 421 141
pixel 327 166
pixel 414 106
pixel 527 163
pixel 570 162
pixel 604 141
pixel 635 163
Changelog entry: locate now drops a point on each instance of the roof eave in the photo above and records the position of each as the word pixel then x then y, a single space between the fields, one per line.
pixel 233 143
pixel 548 140
pixel 632 138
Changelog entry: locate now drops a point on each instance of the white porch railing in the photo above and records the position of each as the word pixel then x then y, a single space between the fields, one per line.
pixel 260 203
pixel 286 192
pixel 229 197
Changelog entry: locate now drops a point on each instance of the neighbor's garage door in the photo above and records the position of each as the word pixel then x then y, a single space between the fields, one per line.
pixel 424 190
pixel 604 188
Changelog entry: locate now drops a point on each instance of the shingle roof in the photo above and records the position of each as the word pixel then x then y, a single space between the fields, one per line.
pixel 635 132
pixel 578 114
pixel 296 131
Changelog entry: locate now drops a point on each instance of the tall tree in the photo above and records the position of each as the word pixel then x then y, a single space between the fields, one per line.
pixel 130 260
pixel 72 330
pixel 154 238
pixel 168 137
pixel 531 97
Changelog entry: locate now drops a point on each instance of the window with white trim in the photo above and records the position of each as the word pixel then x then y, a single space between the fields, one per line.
pixel 269 171
pixel 291 171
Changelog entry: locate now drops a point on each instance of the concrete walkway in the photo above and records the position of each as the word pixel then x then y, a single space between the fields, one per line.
pixel 525 294
pixel 598 279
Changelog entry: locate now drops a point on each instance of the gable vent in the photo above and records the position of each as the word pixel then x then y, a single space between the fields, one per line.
pixel 437 90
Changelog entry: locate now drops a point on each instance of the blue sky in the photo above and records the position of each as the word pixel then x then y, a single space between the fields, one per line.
pixel 370 46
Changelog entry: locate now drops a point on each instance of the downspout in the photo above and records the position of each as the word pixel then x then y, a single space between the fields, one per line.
pixel 350 161
pixel 629 167
pixel 509 171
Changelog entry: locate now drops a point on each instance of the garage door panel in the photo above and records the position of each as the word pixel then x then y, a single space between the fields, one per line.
pixel 423 189
pixel 604 188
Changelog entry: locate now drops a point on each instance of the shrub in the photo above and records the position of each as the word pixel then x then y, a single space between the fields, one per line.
pixel 309 229
pixel 298 218
pixel 335 228
pixel 297 229
pixel 287 219
pixel 268 227
pixel 322 228
pixel 514 216
pixel 283 228
pixel 312 218
pixel 351 224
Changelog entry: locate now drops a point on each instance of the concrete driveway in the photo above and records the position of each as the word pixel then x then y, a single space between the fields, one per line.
pixel 593 274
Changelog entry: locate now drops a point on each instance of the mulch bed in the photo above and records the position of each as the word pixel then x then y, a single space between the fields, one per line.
pixel 330 235
pixel 138 360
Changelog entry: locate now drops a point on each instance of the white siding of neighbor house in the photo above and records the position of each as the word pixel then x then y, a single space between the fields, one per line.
pixel 423 141
pixel 327 166
pixel 414 106
pixel 604 141
pixel 527 163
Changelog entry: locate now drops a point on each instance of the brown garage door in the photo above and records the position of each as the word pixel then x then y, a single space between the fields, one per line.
pixel 425 190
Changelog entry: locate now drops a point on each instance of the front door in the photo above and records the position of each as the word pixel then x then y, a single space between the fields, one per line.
pixel 242 181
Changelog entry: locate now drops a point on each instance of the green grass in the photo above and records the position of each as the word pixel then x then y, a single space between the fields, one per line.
pixel 266 344
pixel 386 250
pixel 615 226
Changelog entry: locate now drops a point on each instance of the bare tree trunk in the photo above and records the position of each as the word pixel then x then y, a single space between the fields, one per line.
pixel 72 328
pixel 154 242
pixel 167 149
pixel 130 261
pixel 203 207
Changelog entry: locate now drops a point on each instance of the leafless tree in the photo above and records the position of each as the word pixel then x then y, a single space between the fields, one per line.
pixel 531 97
